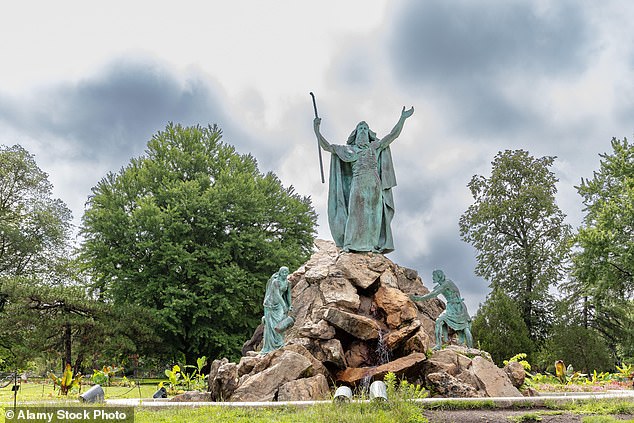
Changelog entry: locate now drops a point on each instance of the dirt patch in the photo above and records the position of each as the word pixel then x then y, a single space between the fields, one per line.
pixel 506 416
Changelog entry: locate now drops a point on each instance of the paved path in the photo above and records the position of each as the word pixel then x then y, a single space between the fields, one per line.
pixel 499 402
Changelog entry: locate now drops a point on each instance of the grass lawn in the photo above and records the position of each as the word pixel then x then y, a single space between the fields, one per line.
pixel 322 413
pixel 43 391
pixel 395 411
pixel 598 411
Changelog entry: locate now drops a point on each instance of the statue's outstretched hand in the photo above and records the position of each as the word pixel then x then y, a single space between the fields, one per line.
pixel 407 113
pixel 316 123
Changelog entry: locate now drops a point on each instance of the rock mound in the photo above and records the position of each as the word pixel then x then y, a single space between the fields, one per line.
pixel 354 322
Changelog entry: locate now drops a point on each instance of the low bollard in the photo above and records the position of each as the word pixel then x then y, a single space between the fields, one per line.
pixel 94 394
pixel 343 394
pixel 378 391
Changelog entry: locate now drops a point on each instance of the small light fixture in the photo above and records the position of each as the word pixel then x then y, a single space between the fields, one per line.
pixel 160 393
pixel 94 394
pixel 378 391
pixel 343 394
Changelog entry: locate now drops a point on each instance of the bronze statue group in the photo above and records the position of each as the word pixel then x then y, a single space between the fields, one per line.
pixel 360 211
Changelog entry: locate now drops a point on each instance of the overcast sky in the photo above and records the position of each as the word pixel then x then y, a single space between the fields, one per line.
pixel 85 84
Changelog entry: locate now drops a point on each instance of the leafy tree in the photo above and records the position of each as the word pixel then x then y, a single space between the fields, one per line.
pixel 34 227
pixel 44 307
pixel 498 328
pixel 603 263
pixel 192 230
pixel 519 232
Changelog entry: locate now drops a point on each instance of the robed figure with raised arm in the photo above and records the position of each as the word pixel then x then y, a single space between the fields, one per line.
pixel 360 201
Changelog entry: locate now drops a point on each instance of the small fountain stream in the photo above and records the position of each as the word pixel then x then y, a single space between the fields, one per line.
pixel 382 352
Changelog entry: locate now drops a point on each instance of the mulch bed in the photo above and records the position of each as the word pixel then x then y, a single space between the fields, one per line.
pixel 506 416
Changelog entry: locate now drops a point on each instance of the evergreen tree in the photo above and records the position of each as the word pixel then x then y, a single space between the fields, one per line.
pixel 499 329
pixel 575 343
pixel 65 322
pixel 44 308
pixel 34 230
pixel 603 263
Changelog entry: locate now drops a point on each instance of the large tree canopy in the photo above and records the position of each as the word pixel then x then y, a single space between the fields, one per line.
pixel 34 227
pixel 519 233
pixel 193 230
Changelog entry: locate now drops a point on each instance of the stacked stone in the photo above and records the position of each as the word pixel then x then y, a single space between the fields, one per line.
pixel 351 306
pixel 354 323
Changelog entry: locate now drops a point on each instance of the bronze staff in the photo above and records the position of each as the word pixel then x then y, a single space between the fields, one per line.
pixel 321 163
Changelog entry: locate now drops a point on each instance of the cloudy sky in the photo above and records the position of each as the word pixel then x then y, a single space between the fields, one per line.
pixel 84 85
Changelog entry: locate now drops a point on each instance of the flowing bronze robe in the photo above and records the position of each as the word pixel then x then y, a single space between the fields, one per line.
pixel 360 201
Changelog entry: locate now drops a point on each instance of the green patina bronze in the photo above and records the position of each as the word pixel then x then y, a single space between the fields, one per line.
pixel 455 315
pixel 277 304
pixel 360 201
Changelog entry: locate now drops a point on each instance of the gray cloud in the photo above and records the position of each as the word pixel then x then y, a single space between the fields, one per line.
pixel 96 125
pixel 467 54
pixel 448 41
pixel 112 115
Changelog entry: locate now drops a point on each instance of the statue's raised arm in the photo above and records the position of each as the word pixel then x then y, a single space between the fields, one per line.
pixel 320 138
pixel 436 292
pixel 396 131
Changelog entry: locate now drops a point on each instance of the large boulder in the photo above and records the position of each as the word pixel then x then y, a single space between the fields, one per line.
pixel 225 382
pixel 493 380
pixel 331 351
pixel 223 379
pixel 398 307
pixel 467 366
pixel 360 327
pixel 340 292
pixel 396 337
pixel 264 386
pixel 319 330
pixel 317 366
pixel 389 279
pixel 192 396
pixel 444 384
pixel 307 306
pixel 213 370
pixel 420 341
pixel 516 373
pixel 362 270
pixel 405 366
pixel 307 389
pixel 358 354
pixel 449 360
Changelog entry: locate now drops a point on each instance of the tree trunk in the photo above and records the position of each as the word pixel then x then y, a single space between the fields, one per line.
pixel 585 312
pixel 67 345
pixel 528 309
pixel 78 363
